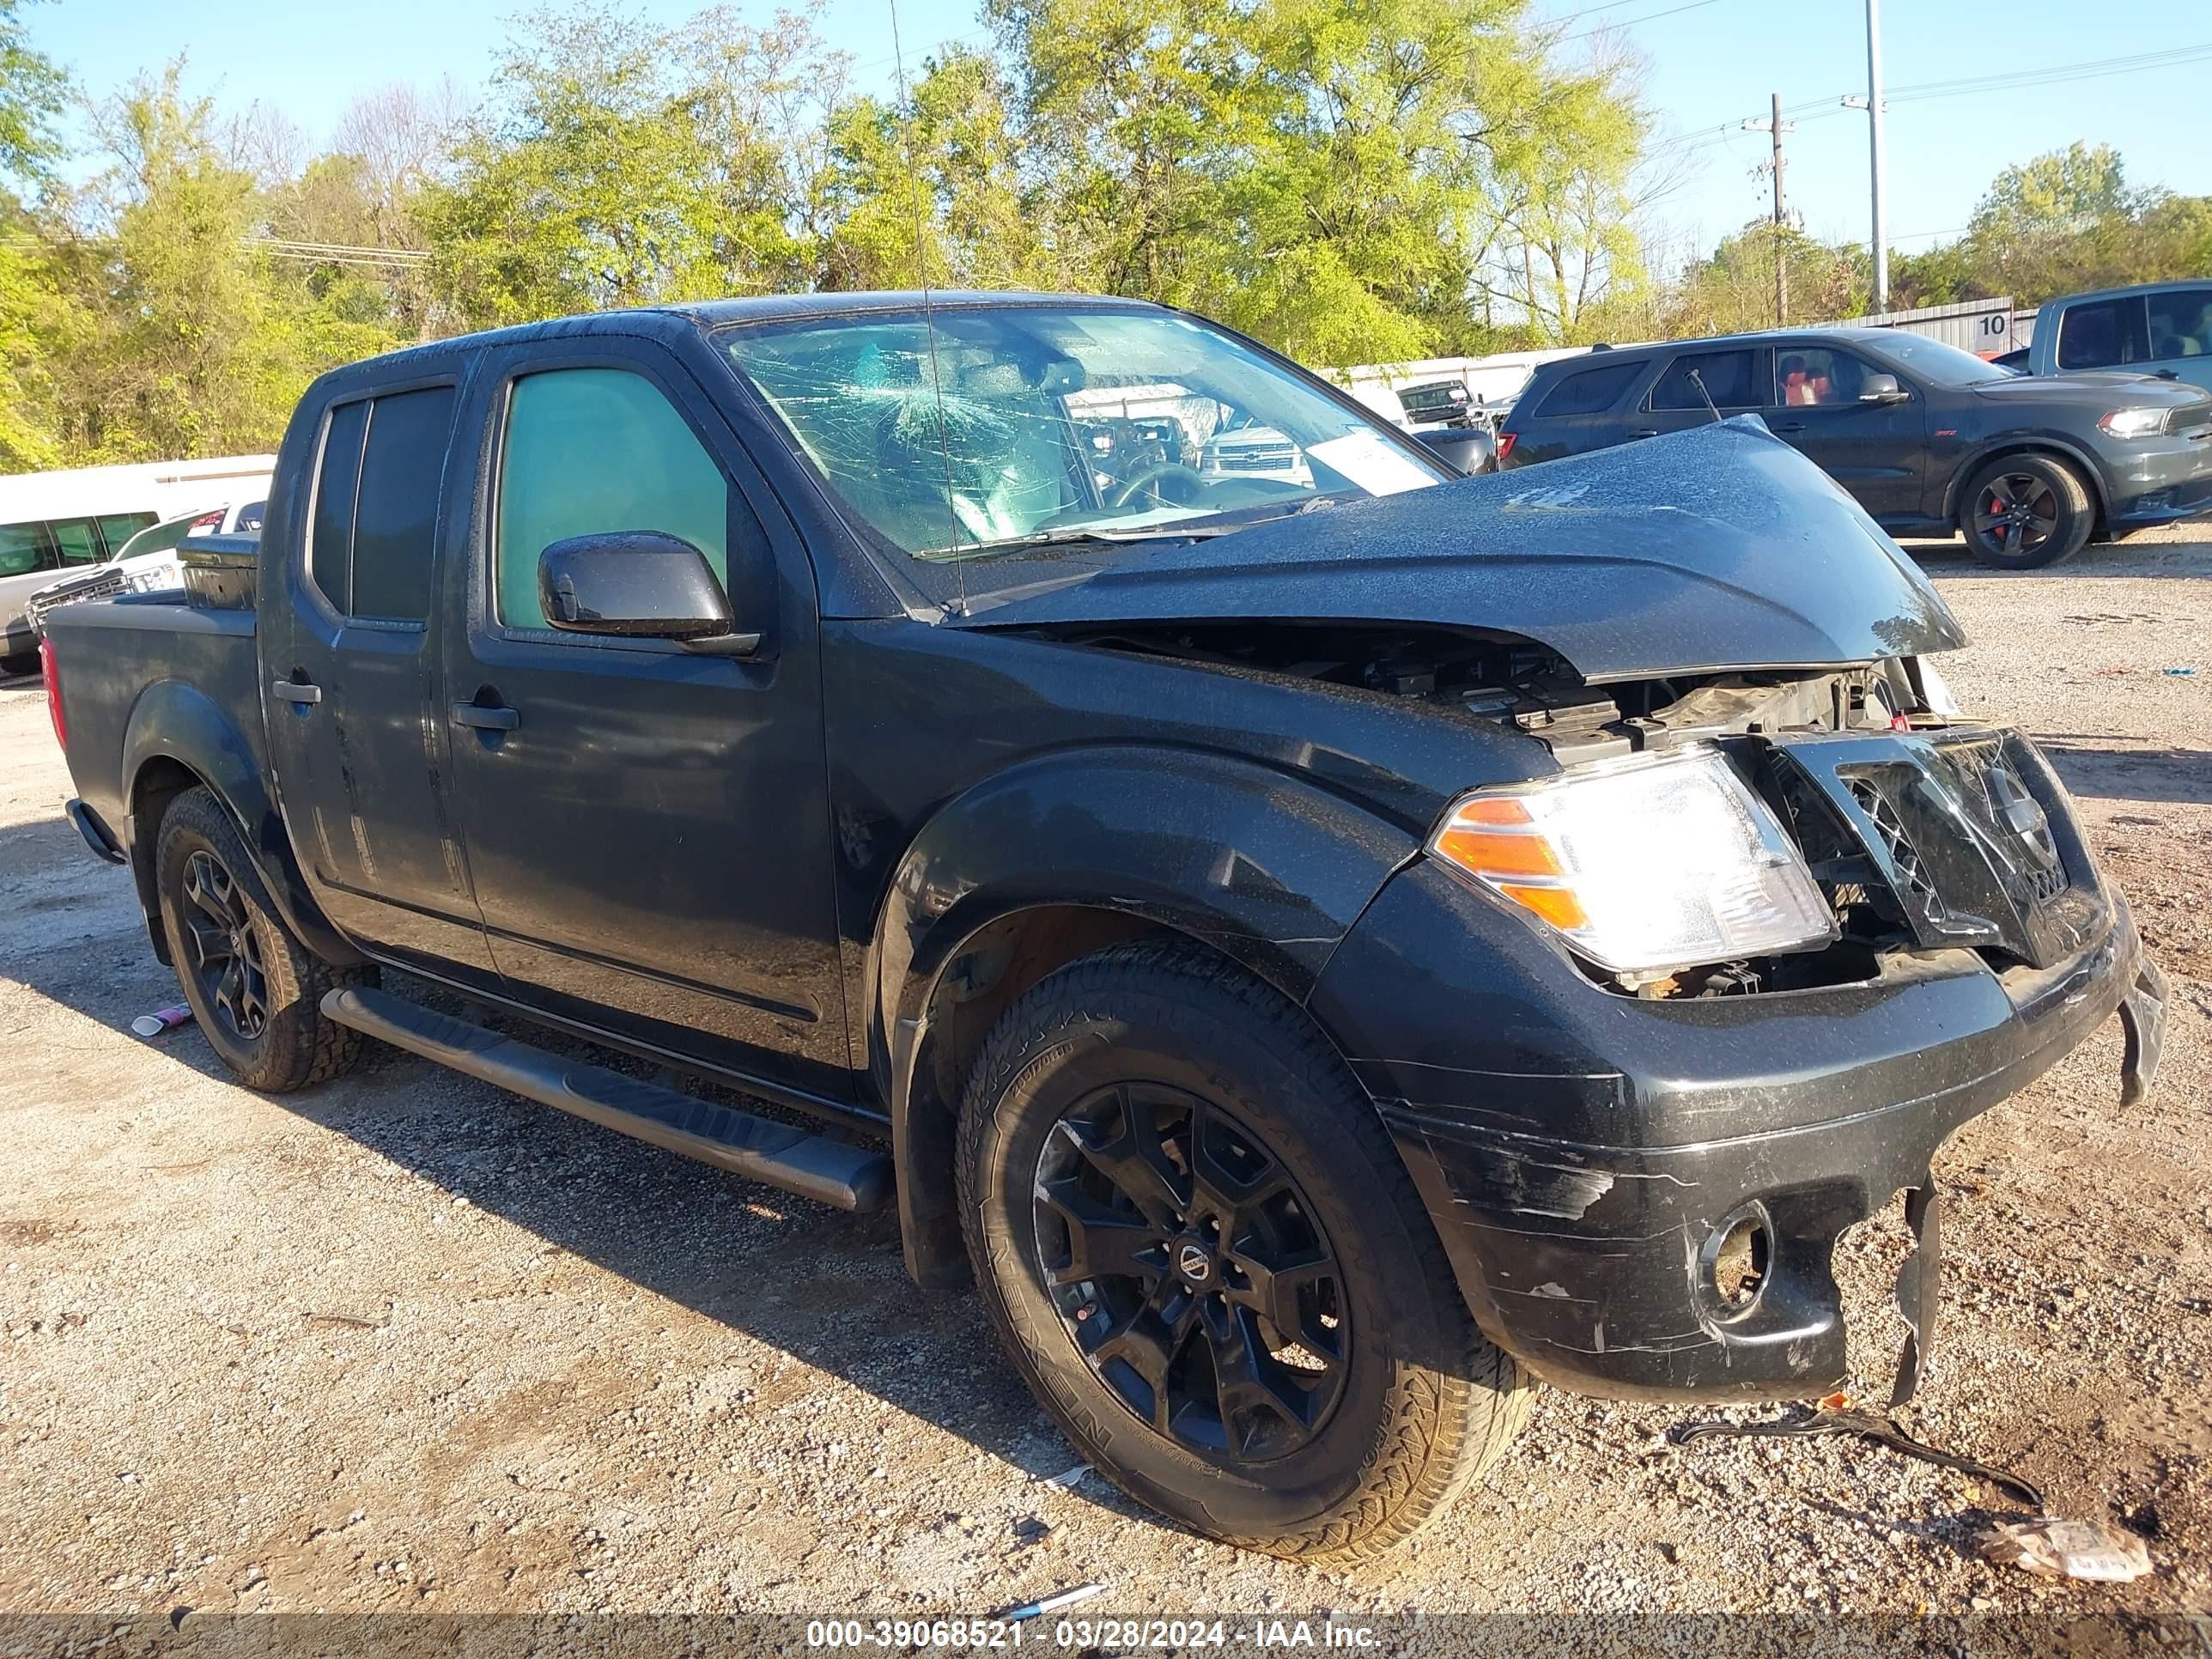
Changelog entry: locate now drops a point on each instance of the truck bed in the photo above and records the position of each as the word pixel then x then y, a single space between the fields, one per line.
pixel 147 641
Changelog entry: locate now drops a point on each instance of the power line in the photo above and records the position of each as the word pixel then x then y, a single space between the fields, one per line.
pixel 1709 136
pixel 1628 22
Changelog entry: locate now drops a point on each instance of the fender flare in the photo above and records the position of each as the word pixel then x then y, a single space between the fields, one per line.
pixel 1263 865
pixel 176 721
pixel 2013 442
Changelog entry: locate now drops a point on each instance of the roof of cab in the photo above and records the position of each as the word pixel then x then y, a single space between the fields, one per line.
pixel 1557 367
pixel 435 357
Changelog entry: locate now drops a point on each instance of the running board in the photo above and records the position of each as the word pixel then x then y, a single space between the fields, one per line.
pixel 814 1166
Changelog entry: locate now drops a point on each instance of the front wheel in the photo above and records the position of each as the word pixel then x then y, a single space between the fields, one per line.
pixel 255 989
pixel 2021 512
pixel 1209 1262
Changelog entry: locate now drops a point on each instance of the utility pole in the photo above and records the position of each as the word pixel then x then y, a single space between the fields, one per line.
pixel 1778 127
pixel 1873 152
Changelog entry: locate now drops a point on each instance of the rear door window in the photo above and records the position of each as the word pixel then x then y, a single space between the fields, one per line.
pixel 1589 391
pixel 2103 334
pixel 594 450
pixel 25 548
pixel 77 540
pixel 376 504
pixel 329 541
pixel 395 525
pixel 2180 324
pixel 1732 380
pixel 117 528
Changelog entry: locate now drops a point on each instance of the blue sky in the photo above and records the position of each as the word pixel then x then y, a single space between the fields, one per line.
pixel 1711 63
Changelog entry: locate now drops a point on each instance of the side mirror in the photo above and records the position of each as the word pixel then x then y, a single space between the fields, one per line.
pixel 1881 389
pixel 639 584
pixel 1468 449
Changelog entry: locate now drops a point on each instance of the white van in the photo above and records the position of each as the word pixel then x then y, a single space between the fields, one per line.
pixel 51 522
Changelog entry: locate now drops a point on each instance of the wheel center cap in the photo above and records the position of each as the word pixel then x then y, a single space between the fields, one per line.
pixel 1194 1262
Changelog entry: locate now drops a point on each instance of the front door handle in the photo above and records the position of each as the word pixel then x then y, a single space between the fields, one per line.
pixel 297 691
pixel 1791 426
pixel 1645 432
pixel 482 719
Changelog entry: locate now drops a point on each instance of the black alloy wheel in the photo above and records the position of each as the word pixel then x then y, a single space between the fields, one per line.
pixel 1190 1270
pixel 223 954
pixel 2018 512
pixel 254 988
pixel 1207 1258
pixel 2024 511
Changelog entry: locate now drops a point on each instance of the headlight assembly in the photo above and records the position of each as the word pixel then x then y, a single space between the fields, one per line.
pixel 2134 422
pixel 1642 866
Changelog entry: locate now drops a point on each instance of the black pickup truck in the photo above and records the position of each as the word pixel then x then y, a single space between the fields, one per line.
pixel 1322 941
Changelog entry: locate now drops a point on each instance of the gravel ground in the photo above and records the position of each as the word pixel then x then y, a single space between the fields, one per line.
pixel 407 1342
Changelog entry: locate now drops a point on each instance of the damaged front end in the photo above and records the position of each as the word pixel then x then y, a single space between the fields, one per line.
pixel 1641 1172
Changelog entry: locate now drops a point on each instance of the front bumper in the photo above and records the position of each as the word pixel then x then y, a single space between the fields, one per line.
pixel 2164 480
pixel 1583 1153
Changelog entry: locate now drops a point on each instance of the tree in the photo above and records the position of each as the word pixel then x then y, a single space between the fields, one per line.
pixel 1562 248
pixel 187 342
pixel 943 166
pixel 33 309
pixel 33 94
pixel 623 164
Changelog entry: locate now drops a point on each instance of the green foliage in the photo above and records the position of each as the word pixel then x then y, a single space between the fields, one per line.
pixel 181 339
pixel 1348 180
pixel 628 164
pixel 2061 223
pixel 33 96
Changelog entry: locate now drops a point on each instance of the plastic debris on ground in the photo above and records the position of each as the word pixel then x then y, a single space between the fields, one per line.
pixel 2069 1549
pixel 1038 1609
pixel 1836 1415
pixel 1066 1480
pixel 161 1020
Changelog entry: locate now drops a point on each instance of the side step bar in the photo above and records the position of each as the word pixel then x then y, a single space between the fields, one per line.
pixel 814 1166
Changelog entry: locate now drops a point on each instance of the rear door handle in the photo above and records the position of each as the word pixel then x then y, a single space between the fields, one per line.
pixel 295 691
pixel 1645 432
pixel 1792 426
pixel 484 720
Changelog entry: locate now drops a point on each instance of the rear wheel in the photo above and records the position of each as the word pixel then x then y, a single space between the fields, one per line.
pixel 1205 1256
pixel 256 990
pixel 2024 511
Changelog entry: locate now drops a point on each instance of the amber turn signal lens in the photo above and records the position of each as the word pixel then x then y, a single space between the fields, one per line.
pixel 1557 905
pixel 1495 855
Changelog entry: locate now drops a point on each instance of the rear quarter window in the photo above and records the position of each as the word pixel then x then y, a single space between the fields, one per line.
pixel 1589 391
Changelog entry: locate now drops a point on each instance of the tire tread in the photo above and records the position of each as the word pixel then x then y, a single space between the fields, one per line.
pixel 299 1047
pixel 1446 1426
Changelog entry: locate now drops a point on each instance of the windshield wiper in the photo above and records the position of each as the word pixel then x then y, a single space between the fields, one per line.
pixel 1103 536
pixel 1078 535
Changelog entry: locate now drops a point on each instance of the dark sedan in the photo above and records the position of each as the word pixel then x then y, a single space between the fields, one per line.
pixel 1927 438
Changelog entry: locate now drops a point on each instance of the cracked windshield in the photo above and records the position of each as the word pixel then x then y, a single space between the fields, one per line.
pixel 1017 428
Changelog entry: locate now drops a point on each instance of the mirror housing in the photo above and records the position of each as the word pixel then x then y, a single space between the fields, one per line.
pixel 639 585
pixel 1881 389
pixel 1468 449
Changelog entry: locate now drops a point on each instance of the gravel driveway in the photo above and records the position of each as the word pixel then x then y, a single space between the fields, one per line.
pixel 407 1342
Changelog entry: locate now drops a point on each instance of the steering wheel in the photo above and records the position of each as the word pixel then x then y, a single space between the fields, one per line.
pixel 1158 472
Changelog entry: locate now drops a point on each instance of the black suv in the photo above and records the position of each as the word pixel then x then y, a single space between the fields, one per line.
pixel 1927 438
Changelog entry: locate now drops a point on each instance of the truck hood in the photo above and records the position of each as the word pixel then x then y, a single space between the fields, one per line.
pixel 2105 387
pixel 1717 548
